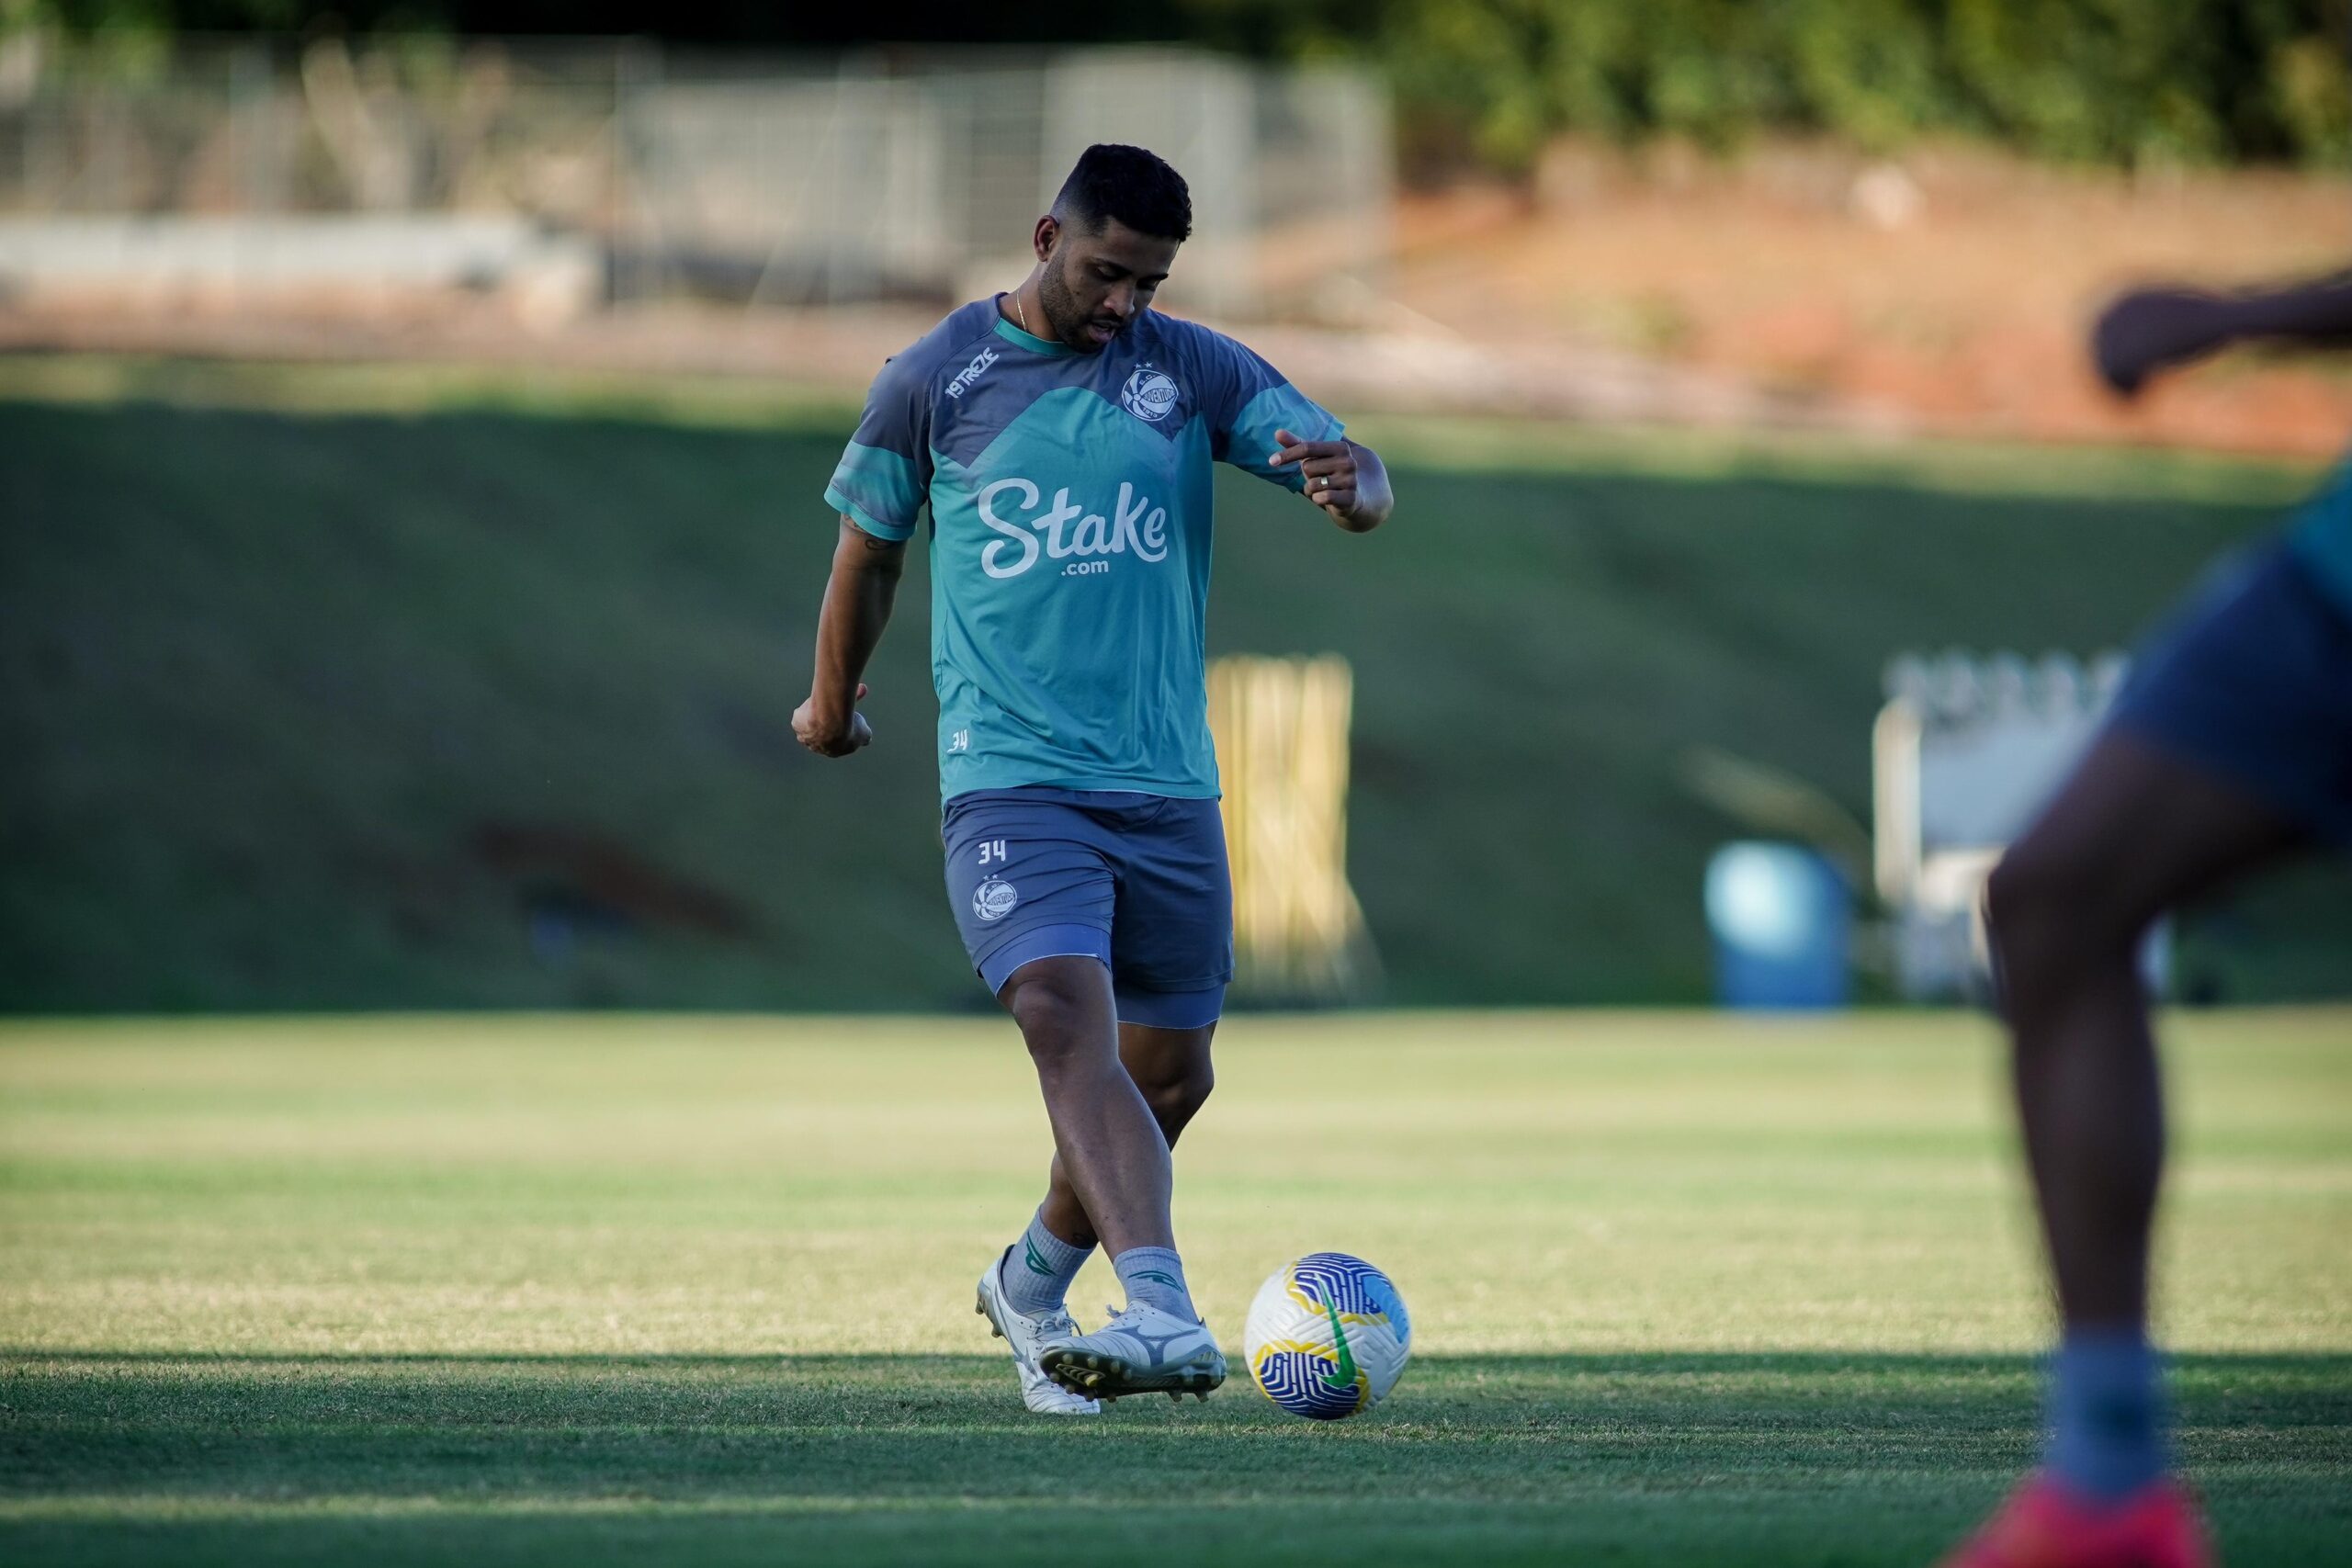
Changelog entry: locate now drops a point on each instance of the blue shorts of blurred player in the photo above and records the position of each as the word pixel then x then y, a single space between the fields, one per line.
pixel 2251 681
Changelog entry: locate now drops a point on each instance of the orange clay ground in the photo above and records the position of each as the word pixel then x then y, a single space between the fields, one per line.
pixel 1951 285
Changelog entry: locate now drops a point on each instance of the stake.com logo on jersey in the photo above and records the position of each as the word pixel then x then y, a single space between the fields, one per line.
pixel 1135 525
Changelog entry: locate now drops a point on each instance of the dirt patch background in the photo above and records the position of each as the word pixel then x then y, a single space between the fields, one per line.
pixel 1950 288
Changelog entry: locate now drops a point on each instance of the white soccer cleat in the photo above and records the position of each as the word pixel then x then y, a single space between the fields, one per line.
pixel 1140 1350
pixel 1040 1392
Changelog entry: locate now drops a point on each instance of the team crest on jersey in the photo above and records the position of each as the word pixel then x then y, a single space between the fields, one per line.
pixel 994 900
pixel 1149 395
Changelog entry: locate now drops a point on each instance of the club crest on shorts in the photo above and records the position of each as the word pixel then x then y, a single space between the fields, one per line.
pixel 994 900
pixel 1149 395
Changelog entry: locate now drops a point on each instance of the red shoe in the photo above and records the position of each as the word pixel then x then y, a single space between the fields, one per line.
pixel 2045 1524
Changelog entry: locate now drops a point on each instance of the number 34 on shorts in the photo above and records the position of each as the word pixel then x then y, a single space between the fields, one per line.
pixel 1146 874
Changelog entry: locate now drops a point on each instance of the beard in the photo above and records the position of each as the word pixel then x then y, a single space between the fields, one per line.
pixel 1064 316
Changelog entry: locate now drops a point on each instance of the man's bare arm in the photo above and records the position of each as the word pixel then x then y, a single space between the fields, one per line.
pixel 2151 329
pixel 2317 312
pixel 858 594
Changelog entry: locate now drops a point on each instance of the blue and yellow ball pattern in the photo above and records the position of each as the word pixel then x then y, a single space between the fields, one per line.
pixel 1328 1336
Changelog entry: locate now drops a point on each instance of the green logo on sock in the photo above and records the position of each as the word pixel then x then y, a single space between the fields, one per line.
pixel 1345 1374
pixel 1035 1258
pixel 1157 1277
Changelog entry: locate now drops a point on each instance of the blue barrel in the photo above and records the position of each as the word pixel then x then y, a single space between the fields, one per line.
pixel 1782 921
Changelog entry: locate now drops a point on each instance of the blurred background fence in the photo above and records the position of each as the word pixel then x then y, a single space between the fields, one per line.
pixel 575 173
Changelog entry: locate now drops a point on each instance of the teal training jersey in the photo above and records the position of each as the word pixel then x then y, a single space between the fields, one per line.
pixel 1069 499
pixel 2322 538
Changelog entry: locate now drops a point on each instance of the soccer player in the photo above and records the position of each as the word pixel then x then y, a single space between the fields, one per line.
pixel 2230 749
pixel 1062 435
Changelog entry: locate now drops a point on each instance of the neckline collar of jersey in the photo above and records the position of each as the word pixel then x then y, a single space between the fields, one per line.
pixel 1029 340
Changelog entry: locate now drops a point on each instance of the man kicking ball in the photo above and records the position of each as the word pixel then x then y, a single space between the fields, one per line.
pixel 2230 749
pixel 1063 436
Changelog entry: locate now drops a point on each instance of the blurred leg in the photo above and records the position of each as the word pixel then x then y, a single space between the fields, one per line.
pixel 2134 833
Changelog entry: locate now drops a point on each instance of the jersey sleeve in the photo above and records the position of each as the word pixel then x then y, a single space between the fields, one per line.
pixel 885 472
pixel 1254 402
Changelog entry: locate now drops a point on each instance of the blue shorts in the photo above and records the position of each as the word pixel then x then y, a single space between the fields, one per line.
pixel 2251 680
pixel 1137 881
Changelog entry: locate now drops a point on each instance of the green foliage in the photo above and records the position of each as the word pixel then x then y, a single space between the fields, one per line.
pixel 2109 80
pixel 2114 81
pixel 2311 96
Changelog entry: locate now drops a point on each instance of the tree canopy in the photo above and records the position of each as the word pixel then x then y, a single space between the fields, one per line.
pixel 2113 81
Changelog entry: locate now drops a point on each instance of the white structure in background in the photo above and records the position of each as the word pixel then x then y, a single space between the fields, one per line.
pixel 342 260
pixel 856 183
pixel 1965 752
pixel 770 179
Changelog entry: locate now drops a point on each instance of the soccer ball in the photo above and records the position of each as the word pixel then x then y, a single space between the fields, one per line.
pixel 1328 1336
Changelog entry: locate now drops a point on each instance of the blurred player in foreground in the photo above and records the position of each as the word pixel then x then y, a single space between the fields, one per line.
pixel 2230 749
pixel 1063 436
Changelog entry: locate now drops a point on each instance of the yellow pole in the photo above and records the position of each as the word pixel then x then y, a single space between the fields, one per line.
pixel 1281 726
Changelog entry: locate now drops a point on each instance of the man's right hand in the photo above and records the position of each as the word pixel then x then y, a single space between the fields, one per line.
pixel 831 734
pixel 2144 332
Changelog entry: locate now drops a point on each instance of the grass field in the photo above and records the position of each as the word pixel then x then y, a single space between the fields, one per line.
pixel 1687 1291
pixel 280 649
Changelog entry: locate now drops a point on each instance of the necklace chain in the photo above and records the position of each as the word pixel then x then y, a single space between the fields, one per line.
pixel 1023 309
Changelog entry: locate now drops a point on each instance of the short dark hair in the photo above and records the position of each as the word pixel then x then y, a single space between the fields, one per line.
pixel 1134 186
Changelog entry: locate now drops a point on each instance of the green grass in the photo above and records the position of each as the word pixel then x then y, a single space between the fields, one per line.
pixel 277 644
pixel 1687 1290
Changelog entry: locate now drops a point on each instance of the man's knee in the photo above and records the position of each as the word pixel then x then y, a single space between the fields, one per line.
pixel 2053 918
pixel 1061 1005
pixel 1176 1097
